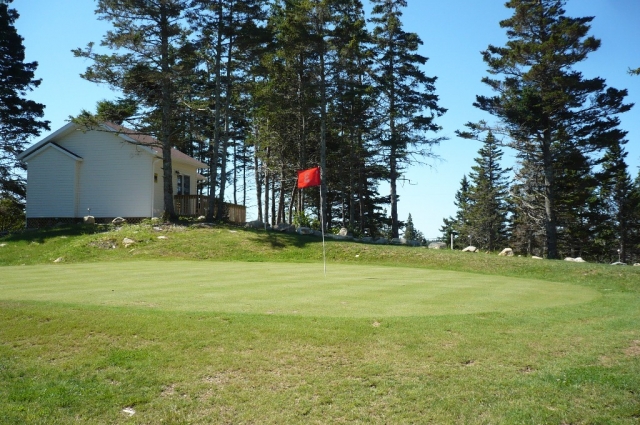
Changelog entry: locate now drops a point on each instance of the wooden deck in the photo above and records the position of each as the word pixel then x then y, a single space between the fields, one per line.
pixel 197 205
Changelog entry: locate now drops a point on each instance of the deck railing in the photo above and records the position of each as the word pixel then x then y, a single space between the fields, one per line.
pixel 197 205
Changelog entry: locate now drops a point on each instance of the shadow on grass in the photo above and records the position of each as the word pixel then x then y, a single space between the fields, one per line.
pixel 281 240
pixel 41 235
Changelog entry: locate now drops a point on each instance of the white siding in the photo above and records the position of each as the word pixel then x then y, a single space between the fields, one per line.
pixel 115 176
pixel 51 184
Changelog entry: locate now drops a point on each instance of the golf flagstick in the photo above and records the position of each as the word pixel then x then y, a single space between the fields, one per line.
pixel 308 178
pixel 324 254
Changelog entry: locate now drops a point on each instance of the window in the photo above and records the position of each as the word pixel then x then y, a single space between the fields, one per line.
pixel 184 185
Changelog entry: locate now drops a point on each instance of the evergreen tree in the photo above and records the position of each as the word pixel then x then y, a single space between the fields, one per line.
pixel 149 40
pixel 20 118
pixel 460 224
pixel 526 204
pixel 548 108
pixel 408 103
pixel 487 215
pixel 618 196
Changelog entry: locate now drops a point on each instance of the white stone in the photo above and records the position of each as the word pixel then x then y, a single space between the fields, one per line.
pixel 536 257
pixel 470 249
pixel 89 219
pixel 344 232
pixel 579 260
pixel 118 221
pixel 618 263
pixel 58 260
pixel 127 242
pixel 636 265
pixel 2 244
pixel 162 237
pixel 507 252
pixel 437 245
pixel 569 259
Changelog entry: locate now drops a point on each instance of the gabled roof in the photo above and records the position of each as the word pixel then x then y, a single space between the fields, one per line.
pixel 150 144
pixel 51 145
pixel 153 144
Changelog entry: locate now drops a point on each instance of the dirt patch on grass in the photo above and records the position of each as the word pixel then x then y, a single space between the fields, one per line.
pixel 634 349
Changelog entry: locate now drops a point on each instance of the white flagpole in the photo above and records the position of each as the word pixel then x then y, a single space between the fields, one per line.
pixel 324 254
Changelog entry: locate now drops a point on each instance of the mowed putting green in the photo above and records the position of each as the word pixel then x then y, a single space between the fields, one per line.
pixel 283 288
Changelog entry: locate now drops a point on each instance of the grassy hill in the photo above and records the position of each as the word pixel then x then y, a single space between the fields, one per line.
pixel 171 329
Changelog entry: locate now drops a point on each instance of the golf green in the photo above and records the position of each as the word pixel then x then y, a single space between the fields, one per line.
pixel 283 288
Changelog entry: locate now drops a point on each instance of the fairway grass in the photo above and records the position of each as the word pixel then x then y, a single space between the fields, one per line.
pixel 221 325
pixel 284 288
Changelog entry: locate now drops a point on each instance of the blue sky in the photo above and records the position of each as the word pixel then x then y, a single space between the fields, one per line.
pixel 454 32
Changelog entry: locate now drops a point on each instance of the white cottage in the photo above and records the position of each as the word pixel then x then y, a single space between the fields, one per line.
pixel 107 172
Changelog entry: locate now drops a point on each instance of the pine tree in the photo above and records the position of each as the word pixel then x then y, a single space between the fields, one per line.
pixel 621 204
pixel 487 216
pixel 545 106
pixel 20 118
pixel 460 224
pixel 408 102
pixel 149 40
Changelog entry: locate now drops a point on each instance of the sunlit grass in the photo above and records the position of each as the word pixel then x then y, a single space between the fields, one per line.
pixel 102 337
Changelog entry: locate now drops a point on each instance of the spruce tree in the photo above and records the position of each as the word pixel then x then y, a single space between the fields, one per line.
pixel 545 106
pixel 407 100
pixel 20 118
pixel 618 196
pixel 150 47
pixel 487 216
pixel 460 224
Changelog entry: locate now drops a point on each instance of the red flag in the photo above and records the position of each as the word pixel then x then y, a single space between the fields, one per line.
pixel 309 178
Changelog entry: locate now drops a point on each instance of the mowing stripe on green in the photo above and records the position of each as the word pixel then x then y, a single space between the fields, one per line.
pixel 283 288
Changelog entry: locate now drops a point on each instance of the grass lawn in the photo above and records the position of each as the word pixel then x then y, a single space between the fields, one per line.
pixel 182 330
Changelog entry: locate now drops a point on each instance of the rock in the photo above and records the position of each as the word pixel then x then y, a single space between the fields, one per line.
pixel 569 259
pixel 470 249
pixel 118 221
pixel 579 260
pixel 536 257
pixel 2 244
pixel 162 237
pixel 256 224
pixel 317 233
pixel 58 260
pixel 343 231
pixel 636 265
pixel 127 242
pixel 381 241
pixel 201 218
pixel 618 263
pixel 507 252
pixel 414 242
pixel 367 239
pixel 437 245
pixel 89 219
pixel 397 241
pixel 304 231
pixel 285 228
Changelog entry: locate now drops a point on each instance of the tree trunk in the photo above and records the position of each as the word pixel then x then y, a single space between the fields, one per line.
pixel 169 210
pixel 550 221
pixel 258 176
pixel 216 125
